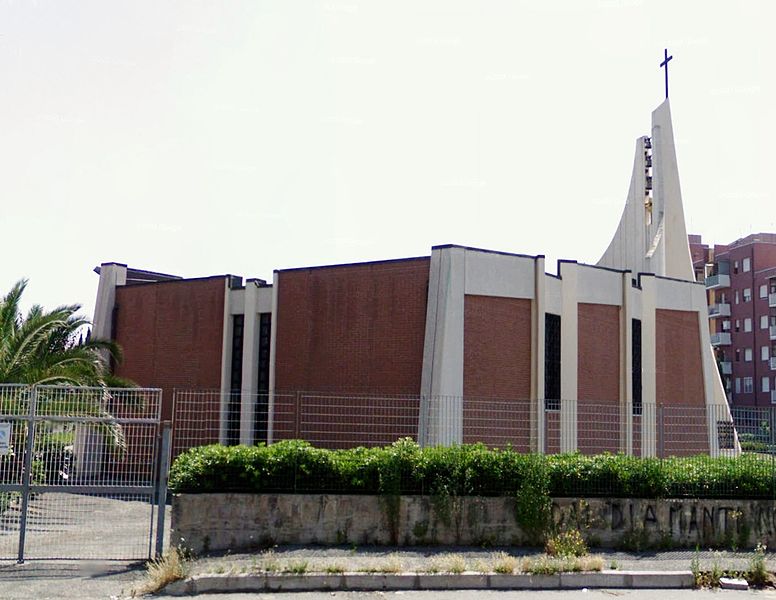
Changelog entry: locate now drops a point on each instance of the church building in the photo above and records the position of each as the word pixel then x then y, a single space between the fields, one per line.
pixel 462 345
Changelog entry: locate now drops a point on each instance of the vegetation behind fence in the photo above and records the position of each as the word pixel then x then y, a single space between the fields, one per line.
pixel 294 466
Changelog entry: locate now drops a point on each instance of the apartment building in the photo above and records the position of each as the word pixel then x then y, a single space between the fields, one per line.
pixel 740 280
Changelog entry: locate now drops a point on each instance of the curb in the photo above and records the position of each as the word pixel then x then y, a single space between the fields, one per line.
pixel 209 584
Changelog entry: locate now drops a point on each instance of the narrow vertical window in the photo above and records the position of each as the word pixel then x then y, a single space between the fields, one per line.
pixel 552 361
pixel 235 383
pixel 262 400
pixel 636 366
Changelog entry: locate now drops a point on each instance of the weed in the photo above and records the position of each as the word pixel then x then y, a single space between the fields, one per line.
pixel 298 567
pixel 392 564
pixel 163 571
pixel 549 565
pixel 334 569
pixel 614 565
pixel 269 562
pixel 448 563
pixel 757 574
pixel 695 567
pixel 566 543
pixel 504 563
pixel 716 572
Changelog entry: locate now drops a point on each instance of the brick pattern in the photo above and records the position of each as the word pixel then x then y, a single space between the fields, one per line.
pixel 598 378
pixel 497 371
pixel 171 335
pixel 679 383
pixel 351 329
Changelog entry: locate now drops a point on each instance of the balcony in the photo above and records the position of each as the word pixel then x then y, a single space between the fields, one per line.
pixel 772 330
pixel 772 300
pixel 719 310
pixel 726 367
pixel 714 282
pixel 720 339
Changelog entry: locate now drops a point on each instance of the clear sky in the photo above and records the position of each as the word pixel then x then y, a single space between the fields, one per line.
pixel 201 138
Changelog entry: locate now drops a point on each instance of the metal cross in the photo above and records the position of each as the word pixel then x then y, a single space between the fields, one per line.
pixel 665 64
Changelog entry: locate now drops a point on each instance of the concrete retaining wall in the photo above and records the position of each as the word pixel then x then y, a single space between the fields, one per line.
pixel 202 522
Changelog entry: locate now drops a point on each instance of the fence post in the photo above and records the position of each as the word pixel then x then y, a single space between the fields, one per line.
pixel 161 486
pixel 27 474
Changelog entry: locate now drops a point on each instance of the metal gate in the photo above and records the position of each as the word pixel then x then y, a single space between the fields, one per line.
pixel 83 472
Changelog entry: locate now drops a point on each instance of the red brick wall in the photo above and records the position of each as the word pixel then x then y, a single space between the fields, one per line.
pixel 598 378
pixel 171 335
pixel 679 383
pixel 497 371
pixel 350 330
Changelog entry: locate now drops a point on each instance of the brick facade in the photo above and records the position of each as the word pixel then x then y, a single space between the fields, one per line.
pixel 679 384
pixel 171 334
pixel 350 330
pixel 497 371
pixel 598 377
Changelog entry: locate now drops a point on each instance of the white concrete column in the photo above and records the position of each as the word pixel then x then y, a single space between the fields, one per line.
pixel 112 275
pixel 227 331
pixel 250 361
pixel 648 365
pixel 626 361
pixel 442 379
pixel 538 443
pixel 569 334
pixel 272 346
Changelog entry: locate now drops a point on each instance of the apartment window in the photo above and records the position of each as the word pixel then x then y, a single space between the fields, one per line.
pixel 765 352
pixel 747 385
pixel 735 266
pixel 747 265
pixel 552 361
pixel 738 354
pixel 738 385
pixel 747 355
pixel 725 325
pixel 636 366
pixel 737 299
pixel 747 294
pixel 763 291
pixel 766 384
pixel 738 324
pixel 764 322
pixel 747 324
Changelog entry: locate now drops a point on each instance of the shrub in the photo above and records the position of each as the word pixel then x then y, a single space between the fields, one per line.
pixel 294 466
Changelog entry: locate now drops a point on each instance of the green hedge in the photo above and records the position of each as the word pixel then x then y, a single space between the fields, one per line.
pixel 405 468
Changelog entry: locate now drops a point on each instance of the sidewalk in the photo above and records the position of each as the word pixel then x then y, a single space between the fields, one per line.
pixel 304 568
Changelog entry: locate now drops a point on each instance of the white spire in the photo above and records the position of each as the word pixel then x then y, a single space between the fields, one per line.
pixel 651 236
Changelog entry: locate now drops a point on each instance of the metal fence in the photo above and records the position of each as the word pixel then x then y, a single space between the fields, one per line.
pixel 81 472
pixel 590 427
pixel 549 427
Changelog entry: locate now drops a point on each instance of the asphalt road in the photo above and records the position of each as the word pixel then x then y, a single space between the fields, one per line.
pixel 515 595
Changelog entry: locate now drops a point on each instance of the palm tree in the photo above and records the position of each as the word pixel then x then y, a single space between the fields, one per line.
pixel 46 347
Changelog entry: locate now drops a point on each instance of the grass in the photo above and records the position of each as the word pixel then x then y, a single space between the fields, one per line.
pixel 162 572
